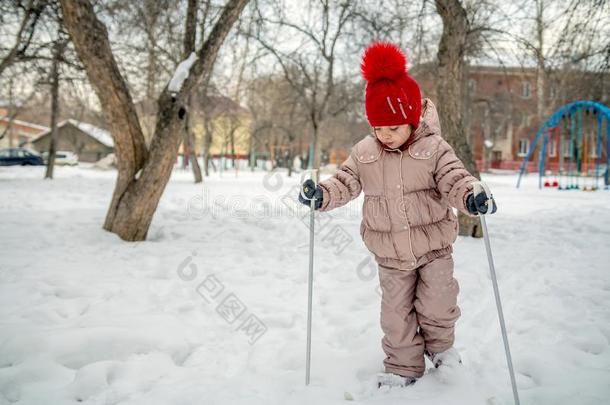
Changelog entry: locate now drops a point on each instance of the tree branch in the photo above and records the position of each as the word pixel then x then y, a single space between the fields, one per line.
pixel 30 18
pixel 90 39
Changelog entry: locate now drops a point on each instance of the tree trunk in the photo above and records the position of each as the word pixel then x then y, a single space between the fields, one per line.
pixel 251 156
pixel 189 46
pixel 207 138
pixel 206 152
pixel 290 159
pixel 315 163
pixel 317 158
pixel 189 139
pixel 142 174
pixel 451 50
pixel 151 74
pixel 57 51
pixel 232 143
pixel 487 137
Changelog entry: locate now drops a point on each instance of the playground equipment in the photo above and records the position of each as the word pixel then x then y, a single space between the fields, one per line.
pixel 573 150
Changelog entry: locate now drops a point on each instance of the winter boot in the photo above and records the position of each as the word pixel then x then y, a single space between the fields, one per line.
pixel 394 380
pixel 450 358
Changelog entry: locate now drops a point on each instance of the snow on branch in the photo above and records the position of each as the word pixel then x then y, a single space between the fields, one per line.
pixel 181 73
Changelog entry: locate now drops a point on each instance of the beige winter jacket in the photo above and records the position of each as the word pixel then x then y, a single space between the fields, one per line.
pixel 407 219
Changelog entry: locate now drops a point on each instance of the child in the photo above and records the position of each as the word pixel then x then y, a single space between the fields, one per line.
pixel 411 178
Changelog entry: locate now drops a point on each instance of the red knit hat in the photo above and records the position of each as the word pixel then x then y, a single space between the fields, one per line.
pixel 392 96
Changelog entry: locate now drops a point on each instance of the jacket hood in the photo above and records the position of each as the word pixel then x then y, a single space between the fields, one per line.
pixel 429 123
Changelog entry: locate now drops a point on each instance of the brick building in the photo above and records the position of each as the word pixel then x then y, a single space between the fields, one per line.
pixel 500 112
pixel 502 115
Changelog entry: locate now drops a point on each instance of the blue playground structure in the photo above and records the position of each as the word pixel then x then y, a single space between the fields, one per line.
pixel 579 148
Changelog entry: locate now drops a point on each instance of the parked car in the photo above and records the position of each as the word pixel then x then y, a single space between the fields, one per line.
pixel 20 156
pixel 62 157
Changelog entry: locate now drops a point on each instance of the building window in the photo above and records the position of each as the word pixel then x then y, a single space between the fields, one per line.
pixel 524 146
pixel 472 86
pixel 526 90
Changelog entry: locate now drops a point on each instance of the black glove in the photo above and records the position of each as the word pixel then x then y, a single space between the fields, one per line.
pixel 478 204
pixel 310 190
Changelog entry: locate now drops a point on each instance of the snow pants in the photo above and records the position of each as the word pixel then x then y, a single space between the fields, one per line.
pixel 418 312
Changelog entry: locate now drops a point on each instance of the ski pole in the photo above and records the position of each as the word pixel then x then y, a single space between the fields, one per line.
pixel 312 205
pixel 477 188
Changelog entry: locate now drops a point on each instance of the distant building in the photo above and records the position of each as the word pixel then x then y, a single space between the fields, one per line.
pixel 227 123
pixel 500 113
pixel 502 117
pixel 14 133
pixel 87 141
pixel 229 126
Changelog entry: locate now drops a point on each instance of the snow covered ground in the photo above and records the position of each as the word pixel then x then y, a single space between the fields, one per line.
pixel 211 309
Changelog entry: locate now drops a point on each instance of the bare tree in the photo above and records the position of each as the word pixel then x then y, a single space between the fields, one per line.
pixel 451 53
pixel 575 47
pixel 280 119
pixel 31 11
pixel 142 172
pixel 189 46
pixel 311 68
pixel 14 106
pixel 58 49
pixel 42 58
pixel 208 131
pixel 558 38
pixel 149 45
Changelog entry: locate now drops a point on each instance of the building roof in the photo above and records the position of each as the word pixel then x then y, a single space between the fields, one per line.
pixel 215 104
pixel 24 123
pixel 222 105
pixel 99 134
